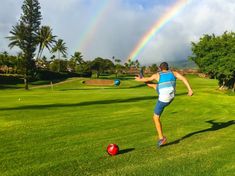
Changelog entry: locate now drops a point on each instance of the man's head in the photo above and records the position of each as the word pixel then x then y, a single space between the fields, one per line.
pixel 164 66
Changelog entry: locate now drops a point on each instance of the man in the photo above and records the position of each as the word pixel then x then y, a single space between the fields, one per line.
pixel 166 82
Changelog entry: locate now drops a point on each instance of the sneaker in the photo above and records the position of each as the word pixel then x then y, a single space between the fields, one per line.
pixel 162 141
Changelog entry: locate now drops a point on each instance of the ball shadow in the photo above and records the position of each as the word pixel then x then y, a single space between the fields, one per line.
pixel 125 151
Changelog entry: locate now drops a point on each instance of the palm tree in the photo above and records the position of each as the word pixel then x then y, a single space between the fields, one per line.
pixel 18 39
pixel 18 34
pixel 78 58
pixel 24 35
pixel 5 53
pixel 60 48
pixel 45 39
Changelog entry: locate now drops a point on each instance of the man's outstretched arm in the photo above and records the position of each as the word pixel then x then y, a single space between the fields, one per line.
pixel 185 81
pixel 147 79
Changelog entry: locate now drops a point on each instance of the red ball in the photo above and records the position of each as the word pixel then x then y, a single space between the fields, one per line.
pixel 112 149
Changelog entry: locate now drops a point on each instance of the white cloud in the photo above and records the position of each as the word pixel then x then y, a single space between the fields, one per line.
pixel 123 25
pixel 173 42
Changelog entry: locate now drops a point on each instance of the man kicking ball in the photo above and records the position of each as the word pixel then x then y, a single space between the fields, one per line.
pixel 166 82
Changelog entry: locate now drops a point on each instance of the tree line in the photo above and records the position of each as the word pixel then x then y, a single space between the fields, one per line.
pixel 10 64
pixel 215 56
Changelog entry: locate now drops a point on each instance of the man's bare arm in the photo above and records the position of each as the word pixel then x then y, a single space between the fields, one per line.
pixel 185 81
pixel 148 79
pixel 151 85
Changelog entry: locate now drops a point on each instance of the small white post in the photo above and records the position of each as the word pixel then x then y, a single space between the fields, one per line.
pixel 51 85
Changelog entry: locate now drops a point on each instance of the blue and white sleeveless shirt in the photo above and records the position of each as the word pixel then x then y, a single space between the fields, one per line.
pixel 166 86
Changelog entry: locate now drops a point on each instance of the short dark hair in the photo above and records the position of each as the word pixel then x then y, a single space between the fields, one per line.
pixel 164 66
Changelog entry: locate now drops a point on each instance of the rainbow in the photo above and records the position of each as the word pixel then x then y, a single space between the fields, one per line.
pixel 94 22
pixel 158 25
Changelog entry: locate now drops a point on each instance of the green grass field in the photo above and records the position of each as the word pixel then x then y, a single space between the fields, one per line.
pixel 65 131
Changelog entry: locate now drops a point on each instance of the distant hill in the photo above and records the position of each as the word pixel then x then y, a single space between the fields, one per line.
pixel 183 64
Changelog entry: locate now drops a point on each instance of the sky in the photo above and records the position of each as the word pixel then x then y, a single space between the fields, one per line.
pixel 107 28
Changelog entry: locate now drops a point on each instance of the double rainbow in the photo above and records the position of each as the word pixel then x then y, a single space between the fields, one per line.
pixel 158 25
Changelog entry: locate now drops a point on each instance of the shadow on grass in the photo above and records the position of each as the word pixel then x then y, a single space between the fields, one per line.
pixel 132 77
pixel 125 151
pixel 86 103
pixel 20 85
pixel 104 87
pixel 3 87
pixel 215 126
pixel 48 82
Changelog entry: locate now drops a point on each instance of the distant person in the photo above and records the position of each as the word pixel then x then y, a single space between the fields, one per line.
pixel 165 86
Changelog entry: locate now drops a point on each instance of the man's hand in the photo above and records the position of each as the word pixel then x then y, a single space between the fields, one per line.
pixel 146 79
pixel 137 78
pixel 190 93
pixel 151 85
